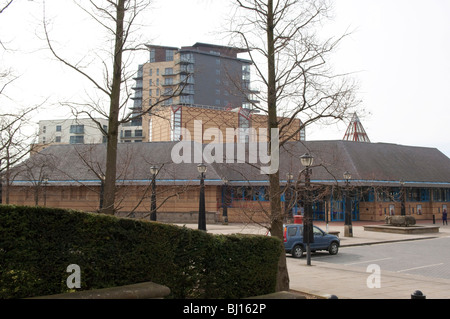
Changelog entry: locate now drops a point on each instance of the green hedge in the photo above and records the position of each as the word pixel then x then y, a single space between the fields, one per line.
pixel 37 244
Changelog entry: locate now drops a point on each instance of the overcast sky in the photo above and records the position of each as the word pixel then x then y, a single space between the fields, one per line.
pixel 399 49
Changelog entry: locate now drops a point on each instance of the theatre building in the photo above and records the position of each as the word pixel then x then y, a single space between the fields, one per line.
pixel 386 179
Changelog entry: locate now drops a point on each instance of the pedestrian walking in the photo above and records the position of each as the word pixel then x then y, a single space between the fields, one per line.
pixel 444 217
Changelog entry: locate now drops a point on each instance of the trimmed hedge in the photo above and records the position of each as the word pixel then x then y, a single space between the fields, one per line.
pixel 37 244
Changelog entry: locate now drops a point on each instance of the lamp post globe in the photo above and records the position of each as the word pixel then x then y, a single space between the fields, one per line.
pixel 307 160
pixel 347 176
pixel 201 168
pixel 154 170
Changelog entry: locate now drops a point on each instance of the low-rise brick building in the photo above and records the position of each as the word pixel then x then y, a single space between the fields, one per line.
pixel 384 177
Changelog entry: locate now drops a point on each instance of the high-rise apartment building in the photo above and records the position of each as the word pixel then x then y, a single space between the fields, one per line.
pixel 203 76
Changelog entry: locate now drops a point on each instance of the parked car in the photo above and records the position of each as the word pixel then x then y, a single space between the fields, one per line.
pixel 293 240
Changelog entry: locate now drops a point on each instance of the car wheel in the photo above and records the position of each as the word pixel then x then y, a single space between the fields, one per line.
pixel 334 248
pixel 297 251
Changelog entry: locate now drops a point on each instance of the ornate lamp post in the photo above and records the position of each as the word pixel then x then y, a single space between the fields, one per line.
pixel 348 229
pixel 225 202
pixel 288 197
pixel 201 206
pixel 403 199
pixel 154 171
pixel 307 160
pixel 45 181
pixel 102 190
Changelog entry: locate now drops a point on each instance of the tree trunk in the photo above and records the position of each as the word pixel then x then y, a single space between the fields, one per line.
pixel 274 178
pixel 113 125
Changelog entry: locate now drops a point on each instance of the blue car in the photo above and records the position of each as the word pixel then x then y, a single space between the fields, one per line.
pixel 293 240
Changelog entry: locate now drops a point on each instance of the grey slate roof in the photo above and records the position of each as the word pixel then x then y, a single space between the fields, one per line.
pixel 369 164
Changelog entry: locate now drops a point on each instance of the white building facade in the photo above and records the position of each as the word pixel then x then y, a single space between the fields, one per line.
pixel 72 131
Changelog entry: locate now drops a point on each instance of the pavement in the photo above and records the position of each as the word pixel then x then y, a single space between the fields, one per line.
pixel 325 280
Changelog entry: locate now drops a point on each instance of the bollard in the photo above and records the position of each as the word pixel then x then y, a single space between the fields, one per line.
pixel 418 295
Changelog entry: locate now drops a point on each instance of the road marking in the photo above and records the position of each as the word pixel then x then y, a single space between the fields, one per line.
pixel 367 261
pixel 419 267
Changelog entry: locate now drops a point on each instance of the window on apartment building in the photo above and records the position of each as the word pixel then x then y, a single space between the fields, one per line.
pixel 78 139
pixel 175 121
pixel 150 72
pixel 58 128
pixel 137 104
pixel 168 102
pixel 169 55
pixel 187 99
pixel 77 129
pixel 44 129
pixel 168 71
pixel 187 57
pixel 152 55
pixel 168 81
pixel 127 133
pixel 138 133
pixel 58 139
pixel 136 121
pixel 150 82
pixel 157 71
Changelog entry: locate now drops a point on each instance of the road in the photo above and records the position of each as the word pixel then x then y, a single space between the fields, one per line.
pixel 429 258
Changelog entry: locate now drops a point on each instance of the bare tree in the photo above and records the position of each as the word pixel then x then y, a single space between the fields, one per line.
pixel 14 143
pixel 291 63
pixel 117 18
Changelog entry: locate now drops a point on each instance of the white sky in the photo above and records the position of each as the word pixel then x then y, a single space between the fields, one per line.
pixel 400 50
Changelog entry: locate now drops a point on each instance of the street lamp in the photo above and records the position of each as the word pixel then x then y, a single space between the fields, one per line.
pixel 154 171
pixel 225 202
pixel 348 228
pixel 201 206
pixel 45 181
pixel 288 197
pixel 403 199
pixel 102 190
pixel 307 160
